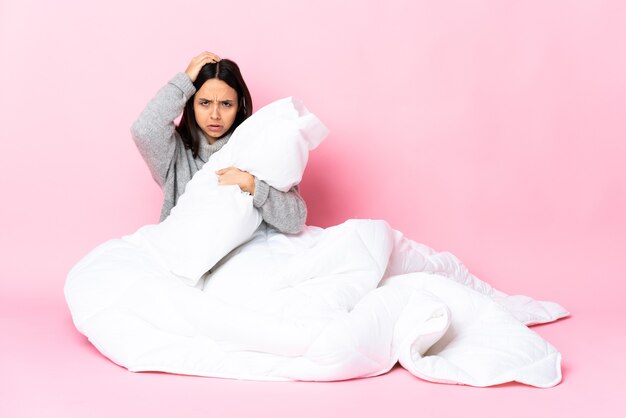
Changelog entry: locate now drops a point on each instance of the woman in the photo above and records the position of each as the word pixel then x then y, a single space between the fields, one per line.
pixel 214 100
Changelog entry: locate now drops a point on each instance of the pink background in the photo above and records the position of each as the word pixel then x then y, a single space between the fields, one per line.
pixel 492 129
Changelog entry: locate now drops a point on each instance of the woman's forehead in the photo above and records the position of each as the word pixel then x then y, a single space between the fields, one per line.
pixel 217 89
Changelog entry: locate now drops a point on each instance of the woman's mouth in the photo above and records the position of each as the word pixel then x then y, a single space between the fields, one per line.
pixel 214 128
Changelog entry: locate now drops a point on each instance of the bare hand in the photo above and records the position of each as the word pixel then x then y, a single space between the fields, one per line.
pixel 232 176
pixel 198 62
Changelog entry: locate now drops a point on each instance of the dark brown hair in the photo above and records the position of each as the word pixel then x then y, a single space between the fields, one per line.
pixel 227 71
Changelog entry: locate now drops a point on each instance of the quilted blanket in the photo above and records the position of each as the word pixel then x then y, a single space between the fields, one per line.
pixel 244 301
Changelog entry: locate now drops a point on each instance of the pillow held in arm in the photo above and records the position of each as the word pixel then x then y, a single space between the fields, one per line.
pixel 210 220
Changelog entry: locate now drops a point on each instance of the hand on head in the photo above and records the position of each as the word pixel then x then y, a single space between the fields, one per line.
pixel 198 62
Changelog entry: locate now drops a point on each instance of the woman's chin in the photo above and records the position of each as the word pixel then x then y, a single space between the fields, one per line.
pixel 214 136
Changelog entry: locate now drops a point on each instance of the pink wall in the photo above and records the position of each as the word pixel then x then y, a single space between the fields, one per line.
pixel 492 129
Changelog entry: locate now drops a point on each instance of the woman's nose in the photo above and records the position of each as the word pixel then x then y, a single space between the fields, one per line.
pixel 215 112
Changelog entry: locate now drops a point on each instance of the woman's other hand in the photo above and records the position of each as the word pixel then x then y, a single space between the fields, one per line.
pixel 198 62
pixel 232 176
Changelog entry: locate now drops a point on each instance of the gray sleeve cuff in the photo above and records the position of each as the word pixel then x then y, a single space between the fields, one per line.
pixel 261 191
pixel 183 82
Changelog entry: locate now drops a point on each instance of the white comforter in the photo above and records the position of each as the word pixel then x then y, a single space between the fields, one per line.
pixel 326 304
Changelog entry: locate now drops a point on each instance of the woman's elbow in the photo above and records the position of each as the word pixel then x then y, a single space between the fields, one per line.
pixel 139 131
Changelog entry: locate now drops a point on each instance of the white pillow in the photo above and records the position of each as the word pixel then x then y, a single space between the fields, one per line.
pixel 210 220
pixel 274 143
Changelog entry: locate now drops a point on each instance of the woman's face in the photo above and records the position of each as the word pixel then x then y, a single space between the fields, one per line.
pixel 215 106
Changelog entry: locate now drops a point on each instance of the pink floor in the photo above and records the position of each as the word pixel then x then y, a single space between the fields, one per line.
pixel 50 370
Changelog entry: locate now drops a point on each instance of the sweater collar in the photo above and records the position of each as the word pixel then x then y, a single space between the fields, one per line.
pixel 206 149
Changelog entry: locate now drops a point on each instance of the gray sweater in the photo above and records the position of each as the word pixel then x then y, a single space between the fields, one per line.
pixel 172 165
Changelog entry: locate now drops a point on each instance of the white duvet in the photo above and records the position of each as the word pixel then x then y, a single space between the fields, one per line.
pixel 325 304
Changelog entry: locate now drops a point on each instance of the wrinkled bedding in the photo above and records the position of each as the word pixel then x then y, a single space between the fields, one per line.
pixel 343 302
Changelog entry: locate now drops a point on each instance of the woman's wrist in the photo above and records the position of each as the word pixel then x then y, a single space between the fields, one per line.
pixel 251 186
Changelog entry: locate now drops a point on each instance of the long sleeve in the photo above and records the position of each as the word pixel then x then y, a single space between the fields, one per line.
pixel 285 211
pixel 154 130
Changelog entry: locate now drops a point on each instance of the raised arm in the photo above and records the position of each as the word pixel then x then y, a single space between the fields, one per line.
pixel 154 130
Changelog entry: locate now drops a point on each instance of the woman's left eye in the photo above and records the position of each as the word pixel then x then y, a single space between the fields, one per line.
pixel 227 104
